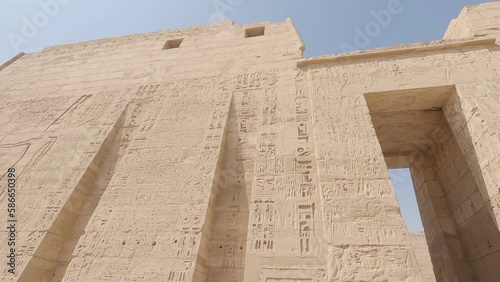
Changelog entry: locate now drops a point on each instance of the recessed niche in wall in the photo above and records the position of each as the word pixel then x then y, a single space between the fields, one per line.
pixel 255 31
pixel 174 43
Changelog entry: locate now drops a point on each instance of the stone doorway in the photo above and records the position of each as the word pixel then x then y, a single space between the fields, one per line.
pixel 416 129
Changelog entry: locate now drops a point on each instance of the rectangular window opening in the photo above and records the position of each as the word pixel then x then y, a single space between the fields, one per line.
pixel 255 31
pixel 405 192
pixel 174 43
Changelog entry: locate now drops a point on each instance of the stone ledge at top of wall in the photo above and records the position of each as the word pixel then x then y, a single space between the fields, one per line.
pixel 198 31
pixel 254 24
pixel 141 36
pixel 11 61
pixel 398 50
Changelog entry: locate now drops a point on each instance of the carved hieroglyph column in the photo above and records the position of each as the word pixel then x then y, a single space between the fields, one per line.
pixel 285 234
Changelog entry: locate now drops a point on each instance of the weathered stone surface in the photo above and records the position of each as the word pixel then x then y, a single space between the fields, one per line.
pixel 419 243
pixel 229 157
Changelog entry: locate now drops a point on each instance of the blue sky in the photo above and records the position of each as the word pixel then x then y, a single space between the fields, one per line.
pixel 323 24
pixel 405 193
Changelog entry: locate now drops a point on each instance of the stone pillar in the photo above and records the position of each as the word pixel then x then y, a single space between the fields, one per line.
pixel 449 260
pixel 473 113
pixel 474 117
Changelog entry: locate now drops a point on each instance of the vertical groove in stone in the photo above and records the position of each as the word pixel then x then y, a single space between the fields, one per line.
pixel 227 245
pixel 55 252
pixel 201 270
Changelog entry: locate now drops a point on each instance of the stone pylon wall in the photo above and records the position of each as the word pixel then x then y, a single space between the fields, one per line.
pixel 232 158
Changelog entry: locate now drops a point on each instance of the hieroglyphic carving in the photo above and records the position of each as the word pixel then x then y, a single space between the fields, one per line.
pixel 181 273
pixel 306 225
pixel 283 273
pixel 376 188
pixel 267 164
pixel 295 187
pixel 285 178
pixel 373 225
pixel 249 81
pixel 305 167
pixel 228 244
pixel 348 168
pixel 263 214
pixel 49 120
pixel 216 126
pixel 112 43
pixel 358 263
pixel 298 173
